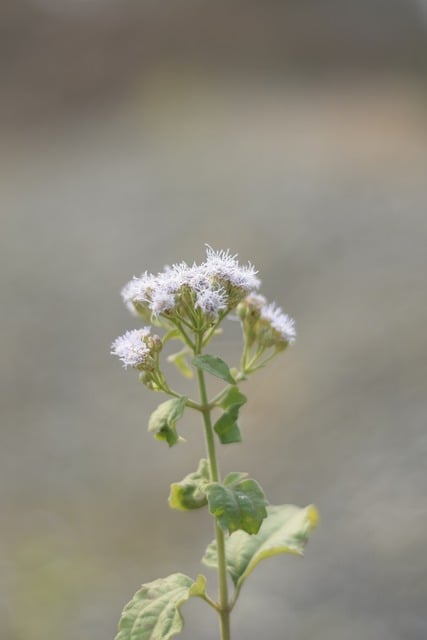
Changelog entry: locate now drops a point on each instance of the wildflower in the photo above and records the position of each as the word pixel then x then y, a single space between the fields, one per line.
pixel 217 285
pixel 211 301
pixel 276 327
pixel 265 324
pixel 137 349
pixel 224 266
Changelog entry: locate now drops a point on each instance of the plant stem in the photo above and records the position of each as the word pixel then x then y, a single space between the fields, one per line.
pixel 224 608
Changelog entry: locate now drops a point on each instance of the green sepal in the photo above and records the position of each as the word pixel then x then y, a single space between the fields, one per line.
pixel 215 366
pixel 180 361
pixel 190 493
pixel 285 530
pixel 238 503
pixel 154 611
pixel 163 420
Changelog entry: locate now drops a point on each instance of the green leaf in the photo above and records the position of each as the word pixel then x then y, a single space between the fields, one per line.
pixel 226 426
pixel 198 588
pixel 180 361
pixel 173 334
pixel 215 366
pixel 190 493
pixel 163 420
pixel 154 611
pixel 285 530
pixel 233 397
pixel 239 503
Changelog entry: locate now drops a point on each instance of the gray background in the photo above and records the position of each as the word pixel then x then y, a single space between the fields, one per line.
pixel 295 135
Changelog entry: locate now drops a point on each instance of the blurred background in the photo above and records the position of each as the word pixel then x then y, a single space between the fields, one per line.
pixel 293 133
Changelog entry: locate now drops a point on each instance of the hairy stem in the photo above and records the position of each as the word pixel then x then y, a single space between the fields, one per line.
pixel 224 609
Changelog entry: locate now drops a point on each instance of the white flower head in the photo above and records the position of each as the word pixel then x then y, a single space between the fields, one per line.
pixel 223 265
pixel 134 348
pixel 255 301
pixel 136 293
pixel 216 285
pixel 211 301
pixel 280 322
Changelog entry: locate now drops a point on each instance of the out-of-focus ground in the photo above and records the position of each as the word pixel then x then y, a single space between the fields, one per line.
pixel 132 135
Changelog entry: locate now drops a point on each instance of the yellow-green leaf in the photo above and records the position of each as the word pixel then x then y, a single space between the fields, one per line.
pixel 154 611
pixel 180 361
pixel 285 530
pixel 190 493
pixel 163 419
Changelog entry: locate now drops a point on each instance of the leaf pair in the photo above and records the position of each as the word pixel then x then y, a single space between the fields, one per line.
pixel 154 611
pixel 238 503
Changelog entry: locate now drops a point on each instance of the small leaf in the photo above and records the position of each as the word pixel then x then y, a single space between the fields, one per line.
pixel 233 397
pixel 215 366
pixel 180 361
pixel 226 426
pixel 154 611
pixel 163 419
pixel 173 334
pixel 198 588
pixel 285 530
pixel 190 492
pixel 239 503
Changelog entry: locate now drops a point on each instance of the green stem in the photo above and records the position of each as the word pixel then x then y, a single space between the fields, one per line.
pixel 224 608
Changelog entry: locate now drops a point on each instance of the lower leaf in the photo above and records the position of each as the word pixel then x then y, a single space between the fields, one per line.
pixel 285 530
pixel 154 611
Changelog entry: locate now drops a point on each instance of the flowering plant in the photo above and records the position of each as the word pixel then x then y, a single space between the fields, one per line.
pixel 189 303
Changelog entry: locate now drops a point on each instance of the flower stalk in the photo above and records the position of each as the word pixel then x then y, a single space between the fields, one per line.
pixel 223 609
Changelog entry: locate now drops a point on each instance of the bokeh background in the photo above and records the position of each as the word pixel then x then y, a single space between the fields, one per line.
pixel 293 133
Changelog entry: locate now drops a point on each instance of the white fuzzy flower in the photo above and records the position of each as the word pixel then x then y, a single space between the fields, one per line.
pixel 283 324
pixel 137 290
pixel 223 265
pixel 132 348
pixel 216 285
pixel 255 300
pixel 211 301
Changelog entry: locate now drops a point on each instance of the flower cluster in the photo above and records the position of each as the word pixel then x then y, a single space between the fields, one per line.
pixel 265 324
pixel 137 349
pixel 197 298
pixel 213 288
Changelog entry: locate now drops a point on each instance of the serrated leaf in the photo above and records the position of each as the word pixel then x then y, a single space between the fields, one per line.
pixel 226 426
pixel 215 366
pixel 154 611
pixel 190 493
pixel 285 530
pixel 163 419
pixel 239 503
pixel 180 361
